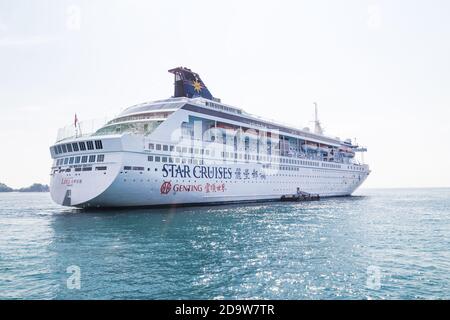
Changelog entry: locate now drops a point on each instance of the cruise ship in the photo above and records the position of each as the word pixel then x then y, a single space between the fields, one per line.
pixel 192 149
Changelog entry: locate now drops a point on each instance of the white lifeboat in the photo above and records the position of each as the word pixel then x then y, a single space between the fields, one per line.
pixel 309 147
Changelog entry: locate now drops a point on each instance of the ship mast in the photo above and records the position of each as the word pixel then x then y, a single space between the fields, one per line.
pixel 317 126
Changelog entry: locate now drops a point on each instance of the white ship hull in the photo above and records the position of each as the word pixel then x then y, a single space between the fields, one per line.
pixel 151 185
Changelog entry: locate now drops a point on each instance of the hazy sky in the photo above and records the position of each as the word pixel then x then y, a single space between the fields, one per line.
pixel 379 70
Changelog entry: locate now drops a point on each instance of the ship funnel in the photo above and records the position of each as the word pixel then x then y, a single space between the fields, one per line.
pixel 188 84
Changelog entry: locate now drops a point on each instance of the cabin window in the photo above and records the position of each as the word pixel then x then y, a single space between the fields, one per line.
pixel 87 169
pixel 100 158
pixel 71 160
pixel 165 147
pixel 138 168
pixel 150 158
pixel 172 148
pixel 151 146
pixel 77 159
pixel 82 146
pixel 90 145
pixel 158 147
pixel 157 159
pixel 127 168
pixel 92 158
pixel 66 160
pixel 84 159
pixel 75 147
pixel 98 144
pixel 100 168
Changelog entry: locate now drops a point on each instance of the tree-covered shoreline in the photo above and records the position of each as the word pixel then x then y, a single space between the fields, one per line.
pixel 35 187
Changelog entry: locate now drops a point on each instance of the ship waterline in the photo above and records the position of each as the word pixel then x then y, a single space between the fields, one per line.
pixel 193 149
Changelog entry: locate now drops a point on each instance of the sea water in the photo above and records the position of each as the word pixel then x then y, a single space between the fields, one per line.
pixel 377 244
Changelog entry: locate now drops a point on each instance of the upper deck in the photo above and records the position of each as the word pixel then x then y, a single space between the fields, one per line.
pixel 193 111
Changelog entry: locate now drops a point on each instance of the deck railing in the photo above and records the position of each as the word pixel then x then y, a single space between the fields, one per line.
pixel 83 129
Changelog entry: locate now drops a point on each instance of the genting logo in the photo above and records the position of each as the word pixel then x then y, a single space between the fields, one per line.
pixel 166 187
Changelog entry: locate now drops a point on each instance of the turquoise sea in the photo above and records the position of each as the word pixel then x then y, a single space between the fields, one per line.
pixel 377 244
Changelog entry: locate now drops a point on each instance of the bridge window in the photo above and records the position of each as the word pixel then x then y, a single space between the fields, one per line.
pixel 100 158
pixel 69 147
pixel 90 145
pixel 98 144
pixel 71 160
pixel 82 146
pixel 64 149
pixel 75 147
pixel 77 159
pixel 84 159
pixel 92 158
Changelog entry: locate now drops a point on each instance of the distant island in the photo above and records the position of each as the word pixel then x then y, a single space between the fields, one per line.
pixel 35 187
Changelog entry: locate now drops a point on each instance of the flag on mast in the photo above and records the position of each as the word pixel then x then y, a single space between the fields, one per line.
pixel 76 124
